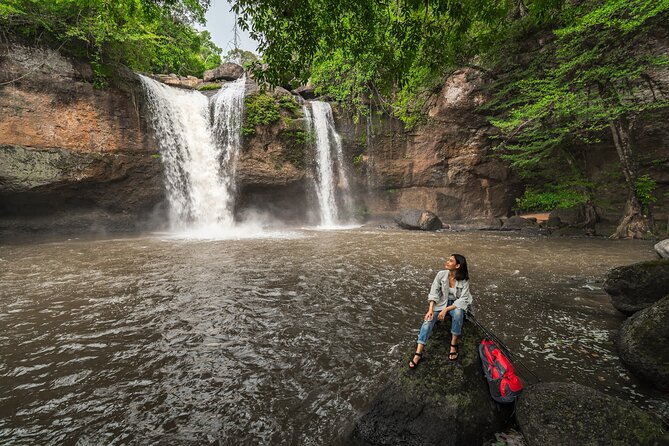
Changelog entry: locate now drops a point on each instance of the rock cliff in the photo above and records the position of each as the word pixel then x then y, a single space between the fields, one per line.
pixel 442 166
pixel 74 157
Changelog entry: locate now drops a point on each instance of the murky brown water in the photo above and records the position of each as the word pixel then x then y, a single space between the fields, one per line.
pixel 276 340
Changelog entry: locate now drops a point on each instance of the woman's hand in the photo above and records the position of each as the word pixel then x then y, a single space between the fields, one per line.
pixel 442 315
pixel 429 315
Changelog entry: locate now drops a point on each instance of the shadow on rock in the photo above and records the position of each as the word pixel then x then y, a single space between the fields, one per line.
pixel 637 286
pixel 643 344
pixel 440 402
pixel 572 414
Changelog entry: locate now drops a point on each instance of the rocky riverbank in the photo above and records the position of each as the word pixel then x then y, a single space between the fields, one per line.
pixel 444 402
pixel 448 403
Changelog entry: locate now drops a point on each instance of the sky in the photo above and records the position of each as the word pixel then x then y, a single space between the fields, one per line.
pixel 220 23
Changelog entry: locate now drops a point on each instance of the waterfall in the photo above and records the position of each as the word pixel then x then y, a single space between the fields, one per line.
pixel 198 143
pixel 227 114
pixel 332 185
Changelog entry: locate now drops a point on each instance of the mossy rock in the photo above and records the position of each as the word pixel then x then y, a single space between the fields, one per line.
pixel 567 413
pixel 22 169
pixel 440 402
pixel 643 344
pixel 637 286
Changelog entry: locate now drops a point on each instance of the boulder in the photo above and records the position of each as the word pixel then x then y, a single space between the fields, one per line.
pixel 306 91
pixel 637 286
pixel 188 82
pixel 417 219
pixel 643 344
pixel 440 402
pixel 577 216
pixel 567 413
pixel 228 72
pixel 280 91
pixel 480 224
pixel 516 223
pixel 553 221
pixel 662 248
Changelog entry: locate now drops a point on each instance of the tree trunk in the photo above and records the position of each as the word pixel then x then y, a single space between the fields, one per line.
pixel 635 223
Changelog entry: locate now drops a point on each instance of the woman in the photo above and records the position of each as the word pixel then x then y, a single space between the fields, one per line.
pixel 449 295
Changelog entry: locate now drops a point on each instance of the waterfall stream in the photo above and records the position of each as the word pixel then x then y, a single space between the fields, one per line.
pixel 199 141
pixel 332 185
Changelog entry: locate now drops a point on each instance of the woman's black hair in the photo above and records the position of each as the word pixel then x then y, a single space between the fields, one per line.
pixel 461 273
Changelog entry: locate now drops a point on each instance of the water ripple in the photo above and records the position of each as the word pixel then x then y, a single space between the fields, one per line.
pixel 280 340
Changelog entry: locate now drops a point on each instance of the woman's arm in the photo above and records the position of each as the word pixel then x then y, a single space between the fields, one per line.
pixel 435 291
pixel 465 299
pixel 430 312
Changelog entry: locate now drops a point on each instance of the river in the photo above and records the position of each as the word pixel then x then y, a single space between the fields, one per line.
pixel 283 338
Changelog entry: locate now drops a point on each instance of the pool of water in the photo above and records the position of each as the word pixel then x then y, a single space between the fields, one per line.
pixel 282 338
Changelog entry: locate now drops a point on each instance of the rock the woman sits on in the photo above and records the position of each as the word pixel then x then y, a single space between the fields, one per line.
pixel 449 295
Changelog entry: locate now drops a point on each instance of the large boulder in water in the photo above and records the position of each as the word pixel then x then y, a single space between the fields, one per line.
pixel 228 72
pixel 418 219
pixel 637 286
pixel 516 223
pixel 643 344
pixel 440 402
pixel 577 216
pixel 662 248
pixel 567 413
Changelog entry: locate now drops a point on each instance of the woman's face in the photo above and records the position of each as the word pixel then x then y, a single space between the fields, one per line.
pixel 451 264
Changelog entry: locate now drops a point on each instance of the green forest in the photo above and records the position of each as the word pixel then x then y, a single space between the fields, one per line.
pixel 564 75
pixel 146 35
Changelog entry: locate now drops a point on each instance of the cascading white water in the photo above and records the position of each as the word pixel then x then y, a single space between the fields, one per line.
pixel 330 184
pixel 227 108
pixel 199 154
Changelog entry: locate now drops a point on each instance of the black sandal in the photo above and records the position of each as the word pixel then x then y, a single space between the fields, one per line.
pixel 453 356
pixel 413 365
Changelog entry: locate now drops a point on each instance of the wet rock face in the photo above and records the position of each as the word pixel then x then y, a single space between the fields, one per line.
pixel 643 344
pixel 635 287
pixel 53 105
pixel 562 413
pixel 442 165
pixel 274 168
pixel 71 156
pixel 440 402
pixel 68 192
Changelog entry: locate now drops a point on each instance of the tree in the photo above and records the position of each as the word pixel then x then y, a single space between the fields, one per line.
pixel 361 48
pixel 594 78
pixel 241 57
pixel 146 35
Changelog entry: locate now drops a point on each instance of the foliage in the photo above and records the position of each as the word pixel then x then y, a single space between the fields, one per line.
pixel 359 159
pixel 241 57
pixel 589 80
pixel 644 187
pixel 294 146
pixel 553 197
pixel 259 109
pixel 354 50
pixel 288 102
pixel 146 35
pixel 209 87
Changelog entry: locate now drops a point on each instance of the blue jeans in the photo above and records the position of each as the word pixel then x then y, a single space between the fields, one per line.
pixel 457 318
